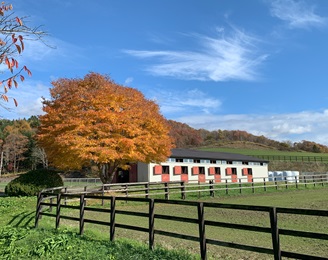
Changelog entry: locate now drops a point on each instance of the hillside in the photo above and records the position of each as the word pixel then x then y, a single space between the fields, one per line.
pixel 185 136
pixel 238 145
pixel 237 141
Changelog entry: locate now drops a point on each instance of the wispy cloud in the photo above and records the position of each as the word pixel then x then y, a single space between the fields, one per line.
pixel 297 14
pixel 128 81
pixel 180 102
pixel 295 127
pixel 227 57
pixel 28 95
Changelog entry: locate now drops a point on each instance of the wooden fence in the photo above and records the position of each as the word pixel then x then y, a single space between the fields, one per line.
pixel 209 188
pixel 47 199
pixel 291 158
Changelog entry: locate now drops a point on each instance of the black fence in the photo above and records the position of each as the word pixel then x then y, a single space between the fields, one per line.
pixel 48 199
pixel 289 158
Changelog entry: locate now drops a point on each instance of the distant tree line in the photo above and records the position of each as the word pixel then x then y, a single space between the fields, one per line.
pixel 19 150
pixel 186 136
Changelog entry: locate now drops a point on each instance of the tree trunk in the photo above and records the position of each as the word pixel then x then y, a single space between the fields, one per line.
pixel 1 163
pixel 107 173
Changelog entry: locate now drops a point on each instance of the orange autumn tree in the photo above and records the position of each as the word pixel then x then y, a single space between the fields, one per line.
pixel 94 121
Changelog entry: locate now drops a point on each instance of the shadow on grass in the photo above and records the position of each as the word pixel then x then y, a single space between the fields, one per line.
pixel 22 219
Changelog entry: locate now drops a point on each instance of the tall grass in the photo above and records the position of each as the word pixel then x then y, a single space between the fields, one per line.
pixel 19 239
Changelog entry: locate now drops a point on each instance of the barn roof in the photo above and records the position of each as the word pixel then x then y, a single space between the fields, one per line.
pixel 198 154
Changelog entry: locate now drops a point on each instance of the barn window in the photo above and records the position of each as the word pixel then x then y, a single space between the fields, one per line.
pixel 204 161
pixel 184 169
pixel 236 162
pixel 165 169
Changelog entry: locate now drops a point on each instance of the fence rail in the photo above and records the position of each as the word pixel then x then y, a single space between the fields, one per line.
pixel 199 220
pixel 208 188
pixel 291 158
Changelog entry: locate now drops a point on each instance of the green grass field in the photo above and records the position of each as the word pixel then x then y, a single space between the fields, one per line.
pixel 314 199
pixel 19 239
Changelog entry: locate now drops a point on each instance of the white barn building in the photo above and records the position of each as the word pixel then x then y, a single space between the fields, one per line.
pixel 198 166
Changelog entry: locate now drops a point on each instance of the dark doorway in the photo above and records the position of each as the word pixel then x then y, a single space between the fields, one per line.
pixel 123 176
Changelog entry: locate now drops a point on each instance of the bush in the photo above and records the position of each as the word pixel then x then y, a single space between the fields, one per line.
pixel 32 182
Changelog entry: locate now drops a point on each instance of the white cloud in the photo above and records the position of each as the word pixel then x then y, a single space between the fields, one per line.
pixel 308 125
pixel 224 58
pixel 28 96
pixel 296 13
pixel 128 81
pixel 193 101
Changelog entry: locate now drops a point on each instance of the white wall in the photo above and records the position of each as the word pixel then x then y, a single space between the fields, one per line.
pixel 146 172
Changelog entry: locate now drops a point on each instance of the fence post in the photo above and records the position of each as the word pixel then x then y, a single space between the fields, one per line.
pixel 264 184
pixel 211 188
pixel 183 189
pixel 304 180
pixel 65 191
pixel 296 182
pixel 151 224
pixel 275 234
pixel 275 182
pixel 253 190
pixel 38 209
pixel 313 180
pixel 286 182
pixel 126 190
pixel 58 210
pixel 201 226
pixel 147 190
pixel 226 185
pixel 81 214
pixel 112 218
pixel 166 190
pixel 239 185
pixel 51 201
pixel 102 194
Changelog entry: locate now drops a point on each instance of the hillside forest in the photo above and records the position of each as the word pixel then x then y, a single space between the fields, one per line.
pixel 19 150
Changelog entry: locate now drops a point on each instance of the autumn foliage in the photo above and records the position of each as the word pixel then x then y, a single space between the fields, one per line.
pixel 96 121
pixel 12 36
pixel 184 136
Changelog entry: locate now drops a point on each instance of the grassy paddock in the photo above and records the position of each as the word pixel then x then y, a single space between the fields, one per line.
pixel 18 238
pixel 194 191
pixel 313 199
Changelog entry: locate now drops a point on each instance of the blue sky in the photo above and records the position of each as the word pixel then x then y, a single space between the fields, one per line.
pixel 256 65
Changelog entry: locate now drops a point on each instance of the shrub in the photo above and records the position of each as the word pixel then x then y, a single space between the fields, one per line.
pixel 32 182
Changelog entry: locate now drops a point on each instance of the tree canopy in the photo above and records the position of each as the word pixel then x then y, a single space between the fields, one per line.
pixel 96 121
